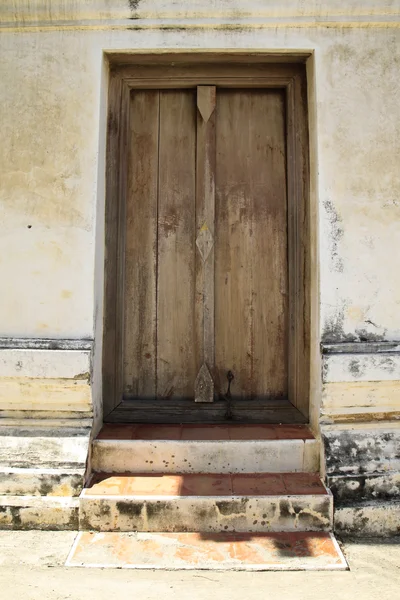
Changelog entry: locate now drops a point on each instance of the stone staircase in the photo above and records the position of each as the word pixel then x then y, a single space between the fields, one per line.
pixel 237 478
pixel 238 497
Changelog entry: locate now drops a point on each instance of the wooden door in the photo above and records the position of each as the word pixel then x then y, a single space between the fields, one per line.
pixel 206 251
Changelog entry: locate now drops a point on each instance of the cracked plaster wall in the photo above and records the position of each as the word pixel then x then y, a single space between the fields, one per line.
pixel 50 98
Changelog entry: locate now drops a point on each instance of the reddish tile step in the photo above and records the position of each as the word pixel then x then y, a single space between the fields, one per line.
pixel 205 449
pixel 256 484
pixel 246 552
pixel 206 503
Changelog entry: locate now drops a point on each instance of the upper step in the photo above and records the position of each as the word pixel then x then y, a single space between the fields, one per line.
pixel 205 449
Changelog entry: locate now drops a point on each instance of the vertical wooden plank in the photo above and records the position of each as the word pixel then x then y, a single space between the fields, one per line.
pixel 298 236
pixel 141 247
pixel 120 266
pixel 176 352
pixel 115 126
pixel 251 303
pixel 205 216
pixel 295 299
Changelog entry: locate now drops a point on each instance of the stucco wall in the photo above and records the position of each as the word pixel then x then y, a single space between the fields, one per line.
pixel 50 99
pixel 53 77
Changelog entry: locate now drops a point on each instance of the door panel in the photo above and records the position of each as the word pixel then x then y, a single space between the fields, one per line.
pixel 140 324
pixel 180 307
pixel 176 350
pixel 251 279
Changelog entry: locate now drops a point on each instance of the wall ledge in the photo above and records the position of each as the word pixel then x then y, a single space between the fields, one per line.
pixel 45 344
pixel 100 14
pixel 360 347
pixel 369 519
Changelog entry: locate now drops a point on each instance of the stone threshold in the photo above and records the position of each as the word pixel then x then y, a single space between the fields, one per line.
pixel 204 432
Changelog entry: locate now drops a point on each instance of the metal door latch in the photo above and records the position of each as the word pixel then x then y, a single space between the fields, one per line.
pixel 230 377
pixel 228 415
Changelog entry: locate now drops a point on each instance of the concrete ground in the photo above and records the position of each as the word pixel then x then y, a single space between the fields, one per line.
pixel 31 567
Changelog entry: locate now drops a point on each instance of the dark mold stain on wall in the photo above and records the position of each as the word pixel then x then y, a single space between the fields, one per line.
pixel 333 331
pixel 355 368
pixel 364 466
pixel 350 452
pixel 367 336
pixel 336 235
pixel 364 488
pixel 133 6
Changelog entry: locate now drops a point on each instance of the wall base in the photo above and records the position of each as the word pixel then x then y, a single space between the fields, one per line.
pixel 375 519
pixel 42 473
pixel 39 512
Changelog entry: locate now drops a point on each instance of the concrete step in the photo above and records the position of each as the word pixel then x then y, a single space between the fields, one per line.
pixel 59 448
pixel 41 482
pixel 205 449
pixel 220 551
pixel 39 512
pixel 260 502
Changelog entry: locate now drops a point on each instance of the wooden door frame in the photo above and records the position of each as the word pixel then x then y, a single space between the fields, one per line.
pixel 229 70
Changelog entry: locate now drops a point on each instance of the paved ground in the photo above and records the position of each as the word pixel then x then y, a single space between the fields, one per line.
pixel 31 567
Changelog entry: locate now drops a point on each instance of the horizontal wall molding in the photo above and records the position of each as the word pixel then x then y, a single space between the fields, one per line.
pixel 361 347
pixel 204 24
pixel 386 426
pixel 360 401
pixel 384 366
pixel 45 344
pixel 104 9
pixel 42 418
pixel 22 422
pixel 45 376
pixel 45 394
pixel 374 518
pixel 181 13
pixel 62 364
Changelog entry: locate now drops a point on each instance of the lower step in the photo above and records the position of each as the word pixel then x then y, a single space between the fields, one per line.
pixel 41 481
pixel 176 551
pixel 207 503
pixel 39 512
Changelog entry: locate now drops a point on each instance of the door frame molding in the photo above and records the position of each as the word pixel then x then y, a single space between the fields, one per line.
pixel 187 70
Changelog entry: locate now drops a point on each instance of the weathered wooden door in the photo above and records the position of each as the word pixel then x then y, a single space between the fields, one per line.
pixel 206 252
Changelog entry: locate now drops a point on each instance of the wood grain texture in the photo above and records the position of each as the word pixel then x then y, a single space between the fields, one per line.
pixel 251 302
pixel 113 201
pixel 178 411
pixel 227 75
pixel 121 242
pixel 299 256
pixel 176 351
pixel 206 74
pixel 140 335
pixel 205 216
